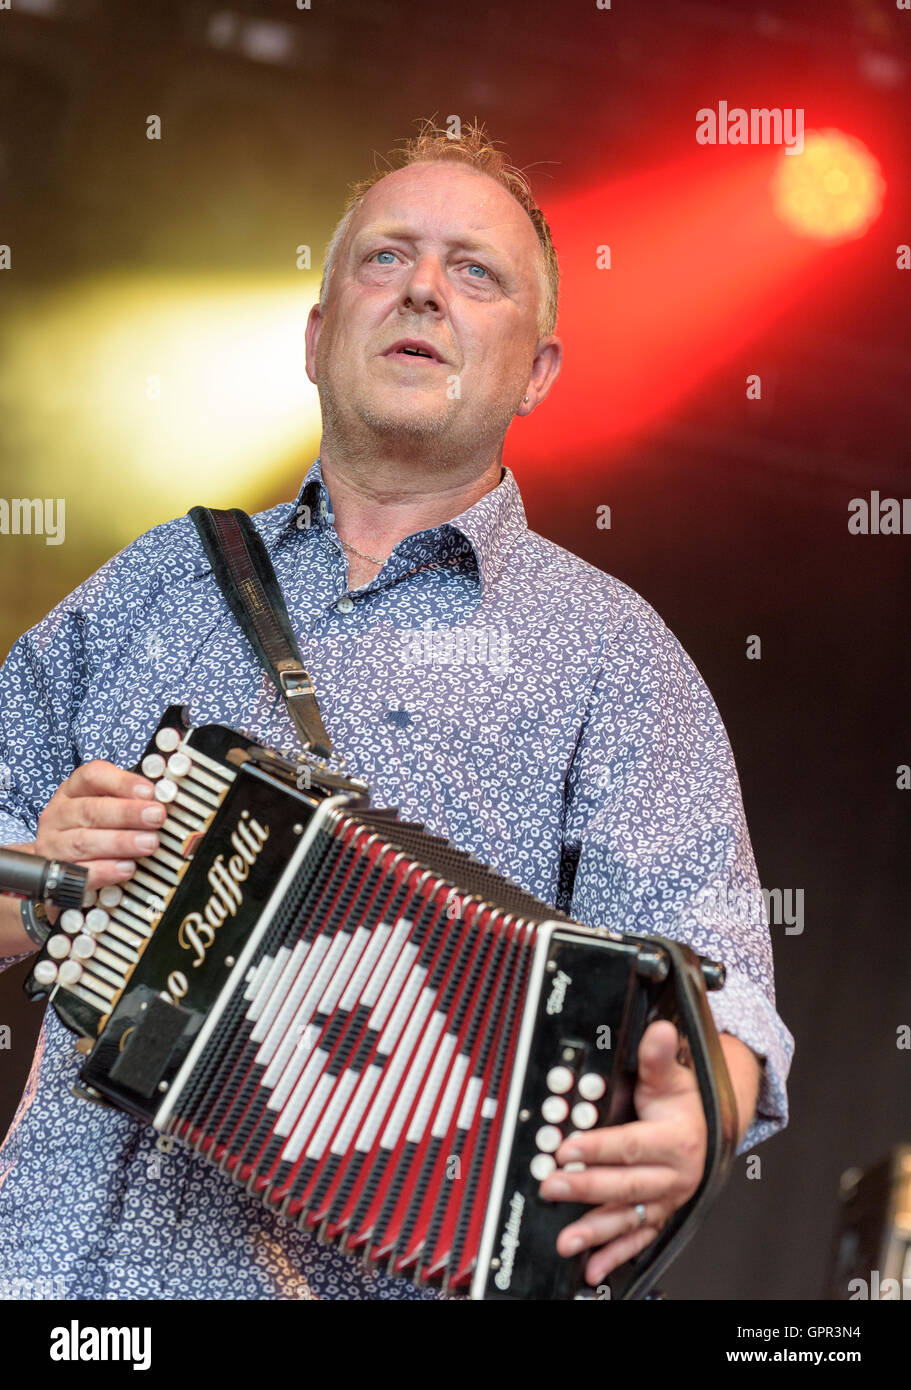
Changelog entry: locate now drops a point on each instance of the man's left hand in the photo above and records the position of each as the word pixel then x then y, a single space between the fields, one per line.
pixel 656 1160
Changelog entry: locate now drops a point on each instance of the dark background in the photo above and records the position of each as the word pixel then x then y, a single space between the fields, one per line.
pixel 729 517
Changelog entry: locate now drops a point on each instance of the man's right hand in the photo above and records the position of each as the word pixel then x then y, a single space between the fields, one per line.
pixel 102 817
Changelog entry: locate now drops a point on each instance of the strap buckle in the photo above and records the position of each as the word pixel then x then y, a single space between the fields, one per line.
pixel 296 682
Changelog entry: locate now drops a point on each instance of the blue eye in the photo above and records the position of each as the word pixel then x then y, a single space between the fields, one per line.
pixel 383 253
pixel 475 266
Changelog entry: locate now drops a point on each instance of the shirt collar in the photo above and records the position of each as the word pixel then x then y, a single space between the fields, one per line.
pixel 490 526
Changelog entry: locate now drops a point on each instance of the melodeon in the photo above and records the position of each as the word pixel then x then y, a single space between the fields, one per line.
pixel 381 1038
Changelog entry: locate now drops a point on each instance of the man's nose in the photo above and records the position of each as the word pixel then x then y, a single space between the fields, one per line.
pixel 425 287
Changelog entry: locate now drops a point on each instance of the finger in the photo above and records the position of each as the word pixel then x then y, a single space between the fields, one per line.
pixel 99 778
pixel 600 1226
pixel 84 845
pixel 611 1187
pixel 103 872
pixel 107 812
pixel 657 1066
pixel 640 1141
pixel 612 1256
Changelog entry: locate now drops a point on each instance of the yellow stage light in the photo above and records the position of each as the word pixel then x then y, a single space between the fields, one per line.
pixel 833 191
pixel 158 391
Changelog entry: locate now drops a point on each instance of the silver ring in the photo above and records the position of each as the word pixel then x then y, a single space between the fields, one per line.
pixel 639 1209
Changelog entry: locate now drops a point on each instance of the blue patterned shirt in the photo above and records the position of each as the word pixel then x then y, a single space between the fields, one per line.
pixel 488 683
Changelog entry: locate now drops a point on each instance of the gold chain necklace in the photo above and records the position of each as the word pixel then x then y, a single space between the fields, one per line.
pixel 372 558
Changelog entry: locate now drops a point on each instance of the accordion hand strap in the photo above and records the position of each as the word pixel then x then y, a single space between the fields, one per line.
pixel 241 564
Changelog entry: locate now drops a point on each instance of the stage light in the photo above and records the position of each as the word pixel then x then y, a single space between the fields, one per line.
pixel 700 266
pixel 833 191
pixel 177 389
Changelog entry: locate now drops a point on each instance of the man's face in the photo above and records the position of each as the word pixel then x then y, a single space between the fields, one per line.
pixel 442 255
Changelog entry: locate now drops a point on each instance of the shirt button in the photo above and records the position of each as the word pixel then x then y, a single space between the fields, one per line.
pixel 345 604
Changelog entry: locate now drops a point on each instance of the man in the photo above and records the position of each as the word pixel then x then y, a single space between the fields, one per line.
pixel 571 744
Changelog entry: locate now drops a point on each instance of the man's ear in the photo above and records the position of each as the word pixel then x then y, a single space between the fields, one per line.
pixel 544 372
pixel 311 337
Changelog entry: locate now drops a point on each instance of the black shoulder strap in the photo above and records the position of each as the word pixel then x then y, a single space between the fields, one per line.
pixel 241 564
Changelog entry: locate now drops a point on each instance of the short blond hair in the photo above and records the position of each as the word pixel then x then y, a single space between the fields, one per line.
pixel 474 148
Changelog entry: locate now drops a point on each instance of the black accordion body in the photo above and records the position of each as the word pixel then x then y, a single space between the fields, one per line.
pixel 378 1036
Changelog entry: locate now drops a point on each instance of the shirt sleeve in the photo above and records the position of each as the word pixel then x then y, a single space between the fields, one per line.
pixel 45 679
pixel 655 829
pixel 41 683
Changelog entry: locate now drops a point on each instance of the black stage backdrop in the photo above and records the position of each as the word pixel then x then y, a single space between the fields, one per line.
pixel 729 514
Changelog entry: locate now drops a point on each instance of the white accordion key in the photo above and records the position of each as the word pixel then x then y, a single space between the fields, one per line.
pixel 584 1115
pixel 58 946
pixel 70 973
pixel 560 1080
pixel 153 766
pixel 96 921
pixel 111 895
pixel 45 972
pixel 541 1166
pixel 167 740
pixel 178 765
pixel 555 1109
pixel 592 1086
pixel 72 921
pixel 548 1139
pixel 165 790
pixel 84 947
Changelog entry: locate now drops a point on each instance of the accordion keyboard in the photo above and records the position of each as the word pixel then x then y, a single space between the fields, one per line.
pixel 93 950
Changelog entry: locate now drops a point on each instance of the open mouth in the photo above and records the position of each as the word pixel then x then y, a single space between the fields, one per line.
pixel 413 352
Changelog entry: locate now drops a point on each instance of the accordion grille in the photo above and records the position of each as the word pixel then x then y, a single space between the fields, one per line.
pixel 355 1078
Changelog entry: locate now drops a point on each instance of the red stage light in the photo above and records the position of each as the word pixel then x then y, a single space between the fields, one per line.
pixel 832 191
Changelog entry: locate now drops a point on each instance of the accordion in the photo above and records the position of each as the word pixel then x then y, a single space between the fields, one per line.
pixel 380 1037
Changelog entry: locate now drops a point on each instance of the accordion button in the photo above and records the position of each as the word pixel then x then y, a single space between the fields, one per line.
pixel 72 921
pixel 560 1080
pixel 96 921
pixel 584 1115
pixel 153 766
pixel 178 765
pixel 548 1139
pixel 84 947
pixel 541 1166
pixel 592 1086
pixel 555 1109
pixel 70 973
pixel 165 790
pixel 167 740
pixel 111 895
pixel 45 972
pixel 58 947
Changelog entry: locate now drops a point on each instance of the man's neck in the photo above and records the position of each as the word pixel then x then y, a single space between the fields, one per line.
pixel 378 502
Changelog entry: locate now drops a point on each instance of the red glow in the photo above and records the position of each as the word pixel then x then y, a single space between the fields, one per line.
pixel 700 265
